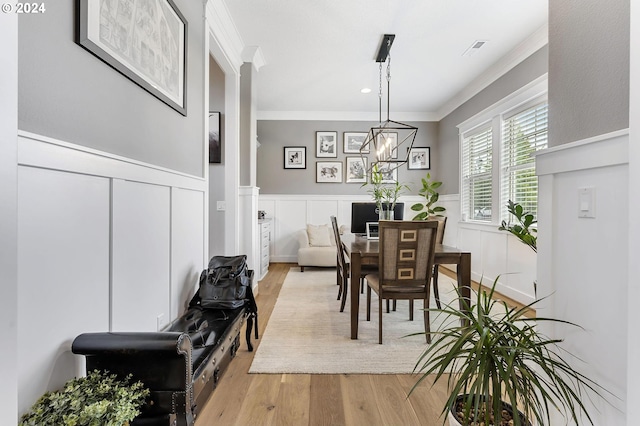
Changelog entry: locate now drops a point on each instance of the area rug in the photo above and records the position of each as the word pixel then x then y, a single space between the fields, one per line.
pixel 308 334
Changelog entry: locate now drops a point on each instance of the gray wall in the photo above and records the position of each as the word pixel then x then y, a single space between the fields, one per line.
pixel 275 135
pixel 588 68
pixel 67 93
pixel 525 72
pixel 216 171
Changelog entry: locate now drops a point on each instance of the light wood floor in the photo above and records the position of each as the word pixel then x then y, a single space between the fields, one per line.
pixel 243 399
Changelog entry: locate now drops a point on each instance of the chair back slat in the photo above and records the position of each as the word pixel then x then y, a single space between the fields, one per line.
pixel 342 262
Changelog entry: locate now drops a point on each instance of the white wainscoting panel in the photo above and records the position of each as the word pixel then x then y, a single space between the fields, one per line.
pixel 63 273
pixel 140 253
pixel 187 246
pixel 104 242
pixel 583 262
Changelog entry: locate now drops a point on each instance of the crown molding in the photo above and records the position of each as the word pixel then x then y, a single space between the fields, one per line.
pixel 224 32
pixel 371 116
pixel 253 54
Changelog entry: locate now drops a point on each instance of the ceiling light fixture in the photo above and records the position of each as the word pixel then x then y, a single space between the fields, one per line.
pixel 365 90
pixel 382 146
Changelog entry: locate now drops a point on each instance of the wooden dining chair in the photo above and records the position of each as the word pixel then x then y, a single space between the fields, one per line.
pixel 442 223
pixel 405 266
pixel 343 268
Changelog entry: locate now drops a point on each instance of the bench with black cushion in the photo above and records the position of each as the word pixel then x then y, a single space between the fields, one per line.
pixel 181 366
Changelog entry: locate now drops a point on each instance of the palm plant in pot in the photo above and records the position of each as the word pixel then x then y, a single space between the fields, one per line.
pixel 496 359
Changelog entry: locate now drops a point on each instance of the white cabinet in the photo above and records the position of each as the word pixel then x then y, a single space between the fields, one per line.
pixel 264 236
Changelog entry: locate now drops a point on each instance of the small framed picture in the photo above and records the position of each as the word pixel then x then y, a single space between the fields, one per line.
pixel 419 159
pixel 329 172
pixel 389 172
pixel 388 143
pixel 215 141
pixel 326 144
pixel 295 157
pixel 356 170
pixel 353 141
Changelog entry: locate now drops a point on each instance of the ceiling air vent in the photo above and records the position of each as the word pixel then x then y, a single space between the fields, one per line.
pixel 475 46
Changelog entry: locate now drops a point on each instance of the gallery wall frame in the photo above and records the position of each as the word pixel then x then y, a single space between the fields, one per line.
pixel 295 157
pixel 147 43
pixel 329 172
pixel 215 138
pixel 419 158
pixel 389 172
pixel 356 171
pixel 353 141
pixel 326 144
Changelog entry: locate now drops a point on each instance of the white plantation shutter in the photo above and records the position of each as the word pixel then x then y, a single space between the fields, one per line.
pixel 522 134
pixel 477 168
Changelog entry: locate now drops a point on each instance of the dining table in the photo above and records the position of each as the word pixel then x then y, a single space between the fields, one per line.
pixel 364 251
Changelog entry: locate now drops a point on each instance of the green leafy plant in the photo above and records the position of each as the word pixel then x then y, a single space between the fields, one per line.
pixel 431 196
pixel 385 195
pixel 99 399
pixel 523 226
pixel 497 355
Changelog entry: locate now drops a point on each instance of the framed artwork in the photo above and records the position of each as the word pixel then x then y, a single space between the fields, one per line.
pixel 215 140
pixel 145 41
pixel 356 170
pixel 326 144
pixel 419 159
pixel 353 141
pixel 389 172
pixel 295 157
pixel 329 172
pixel 392 146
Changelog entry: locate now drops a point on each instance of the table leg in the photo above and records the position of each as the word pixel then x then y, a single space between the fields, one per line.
pixel 356 261
pixel 464 279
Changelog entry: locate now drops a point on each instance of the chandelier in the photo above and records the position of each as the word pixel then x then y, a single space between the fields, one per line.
pixel 388 144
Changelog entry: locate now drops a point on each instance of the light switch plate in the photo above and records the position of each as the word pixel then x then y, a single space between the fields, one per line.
pixel 221 206
pixel 587 202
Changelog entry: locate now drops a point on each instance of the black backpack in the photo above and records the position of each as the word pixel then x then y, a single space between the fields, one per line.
pixel 226 284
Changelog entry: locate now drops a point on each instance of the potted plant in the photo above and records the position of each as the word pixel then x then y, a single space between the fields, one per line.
pixel 99 398
pixel 431 196
pixel 522 229
pixel 385 195
pixel 497 359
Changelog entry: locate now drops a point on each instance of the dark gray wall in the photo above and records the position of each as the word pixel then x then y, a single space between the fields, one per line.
pixel 67 93
pixel 588 68
pixel 275 135
pixel 448 153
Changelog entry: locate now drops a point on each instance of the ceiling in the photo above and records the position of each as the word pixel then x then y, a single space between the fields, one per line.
pixel 319 54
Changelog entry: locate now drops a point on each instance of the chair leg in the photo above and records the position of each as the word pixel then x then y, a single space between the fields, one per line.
pixel 301 268
pixel 436 294
pixel 368 303
pixel 410 309
pixel 395 305
pixel 427 325
pixel 380 319
pixel 345 286
pixel 339 282
pixel 388 305
pixel 362 285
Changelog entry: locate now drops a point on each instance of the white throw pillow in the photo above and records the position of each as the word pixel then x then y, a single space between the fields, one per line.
pixel 319 235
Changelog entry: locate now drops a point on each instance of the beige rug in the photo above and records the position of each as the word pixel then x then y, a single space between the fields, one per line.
pixel 307 333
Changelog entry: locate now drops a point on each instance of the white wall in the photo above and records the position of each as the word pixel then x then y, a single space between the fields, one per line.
pixel 105 243
pixel 493 252
pixel 583 262
pixel 8 213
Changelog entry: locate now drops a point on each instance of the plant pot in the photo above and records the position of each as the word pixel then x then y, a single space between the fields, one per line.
pixel 385 212
pixel 453 421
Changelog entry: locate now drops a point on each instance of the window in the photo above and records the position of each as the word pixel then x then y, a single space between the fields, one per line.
pixel 496 162
pixel 477 165
pixel 522 135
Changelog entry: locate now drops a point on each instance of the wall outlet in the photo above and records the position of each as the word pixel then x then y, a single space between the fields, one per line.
pixel 160 322
pixel 221 206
